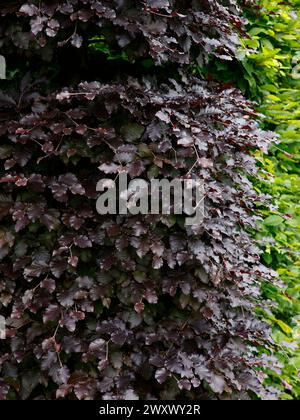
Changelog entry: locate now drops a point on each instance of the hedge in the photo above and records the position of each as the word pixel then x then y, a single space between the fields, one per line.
pixel 272 70
pixel 267 71
pixel 114 307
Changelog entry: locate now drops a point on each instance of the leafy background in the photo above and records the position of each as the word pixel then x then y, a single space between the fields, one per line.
pixel 272 73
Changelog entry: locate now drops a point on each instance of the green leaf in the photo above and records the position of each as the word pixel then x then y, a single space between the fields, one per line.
pixel 285 328
pixel 273 220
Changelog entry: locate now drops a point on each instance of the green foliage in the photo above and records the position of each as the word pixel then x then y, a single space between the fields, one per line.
pixel 272 51
pixel 270 63
pixel 99 44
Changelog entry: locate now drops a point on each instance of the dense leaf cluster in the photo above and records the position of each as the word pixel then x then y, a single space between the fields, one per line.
pixel 168 30
pixel 267 70
pixel 127 307
pixel 272 71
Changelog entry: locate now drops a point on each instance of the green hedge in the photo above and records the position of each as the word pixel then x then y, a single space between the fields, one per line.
pixel 271 70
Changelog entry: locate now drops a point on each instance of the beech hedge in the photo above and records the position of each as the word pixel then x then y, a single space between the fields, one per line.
pixel 115 307
pixel 267 71
pixel 273 73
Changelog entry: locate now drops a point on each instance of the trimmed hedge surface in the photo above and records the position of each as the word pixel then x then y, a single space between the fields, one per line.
pixel 127 307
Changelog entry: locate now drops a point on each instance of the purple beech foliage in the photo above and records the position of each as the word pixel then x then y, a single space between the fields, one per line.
pixel 178 196
pixel 128 306
pixel 168 30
